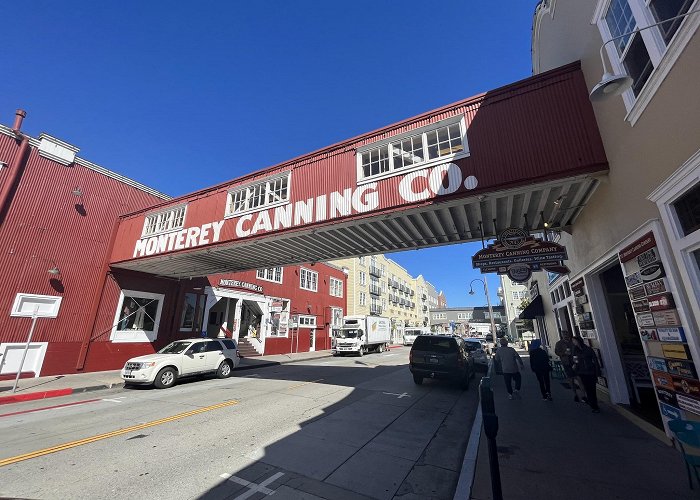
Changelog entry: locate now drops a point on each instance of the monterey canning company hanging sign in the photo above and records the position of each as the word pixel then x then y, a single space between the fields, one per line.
pixel 517 254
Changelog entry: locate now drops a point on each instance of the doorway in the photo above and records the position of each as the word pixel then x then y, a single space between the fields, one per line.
pixel 222 317
pixel 629 345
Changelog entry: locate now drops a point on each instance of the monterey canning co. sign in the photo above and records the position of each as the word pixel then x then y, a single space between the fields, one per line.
pixel 517 254
pixel 441 180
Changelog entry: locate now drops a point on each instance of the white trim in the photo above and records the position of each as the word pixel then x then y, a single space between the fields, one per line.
pixel 257 276
pixel 265 206
pixel 330 286
pixel 310 318
pixel 130 336
pixel 302 269
pixel 41 354
pixel 51 305
pixel 164 211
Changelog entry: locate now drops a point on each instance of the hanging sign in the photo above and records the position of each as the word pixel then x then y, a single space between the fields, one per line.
pixel 241 284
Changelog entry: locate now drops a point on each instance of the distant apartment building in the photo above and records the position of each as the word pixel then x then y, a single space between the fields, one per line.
pixel 512 296
pixel 379 286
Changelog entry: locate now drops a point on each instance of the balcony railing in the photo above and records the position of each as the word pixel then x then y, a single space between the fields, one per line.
pixel 425 308
pixel 375 271
pixel 413 292
pixel 375 309
pixel 375 290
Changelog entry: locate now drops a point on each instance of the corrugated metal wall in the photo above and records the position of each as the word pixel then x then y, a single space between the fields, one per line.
pixel 46 226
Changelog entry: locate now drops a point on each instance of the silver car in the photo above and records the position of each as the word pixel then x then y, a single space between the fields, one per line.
pixel 476 348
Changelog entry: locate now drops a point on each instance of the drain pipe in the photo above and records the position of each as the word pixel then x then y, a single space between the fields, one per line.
pixel 17 167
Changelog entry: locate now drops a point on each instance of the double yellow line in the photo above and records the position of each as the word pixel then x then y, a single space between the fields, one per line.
pixel 106 435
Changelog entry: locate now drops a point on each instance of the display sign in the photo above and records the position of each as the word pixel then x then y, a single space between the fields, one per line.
pixel 661 302
pixel 645 319
pixel 666 318
pixel 656 287
pixel 633 279
pixel 670 412
pixel 648 257
pixel 688 404
pixel 640 306
pixel 687 386
pixel 671 334
pixel 675 351
pixel 667 396
pixel 681 368
pixel 657 364
pixel 638 292
pixel 583 299
pixel 589 334
pixel 241 284
pixel 648 334
pixel 640 246
pixel 662 379
pixel 517 250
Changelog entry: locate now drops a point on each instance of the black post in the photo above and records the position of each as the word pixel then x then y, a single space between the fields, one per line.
pixel 488 412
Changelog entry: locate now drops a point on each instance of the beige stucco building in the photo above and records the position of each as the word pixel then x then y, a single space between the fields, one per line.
pixel 378 285
pixel 634 255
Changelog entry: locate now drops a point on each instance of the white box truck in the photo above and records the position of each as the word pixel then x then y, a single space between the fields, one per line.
pixel 411 332
pixel 362 334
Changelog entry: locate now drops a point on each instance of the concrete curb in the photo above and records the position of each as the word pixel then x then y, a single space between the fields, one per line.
pixel 466 475
pixel 31 396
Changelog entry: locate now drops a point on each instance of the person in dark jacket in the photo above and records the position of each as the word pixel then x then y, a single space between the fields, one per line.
pixel 585 365
pixel 539 363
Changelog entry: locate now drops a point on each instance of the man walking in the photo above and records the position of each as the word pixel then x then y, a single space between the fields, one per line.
pixel 511 364
pixel 564 348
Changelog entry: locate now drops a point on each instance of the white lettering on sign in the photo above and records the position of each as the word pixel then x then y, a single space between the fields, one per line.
pixel 416 186
pixel 185 238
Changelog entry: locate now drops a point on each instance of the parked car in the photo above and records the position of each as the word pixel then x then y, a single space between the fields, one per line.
pixel 476 348
pixel 441 357
pixel 183 358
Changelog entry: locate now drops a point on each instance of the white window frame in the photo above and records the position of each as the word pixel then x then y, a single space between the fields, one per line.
pixel 248 191
pixel 336 287
pixel 336 319
pixel 312 279
pixel 269 274
pixel 363 299
pixel 363 278
pixel 682 246
pixel 663 57
pixel 422 131
pixel 152 221
pixel 306 321
pixel 126 336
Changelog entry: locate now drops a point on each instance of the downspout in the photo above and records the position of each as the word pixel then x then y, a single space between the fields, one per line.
pixel 97 298
pixel 17 167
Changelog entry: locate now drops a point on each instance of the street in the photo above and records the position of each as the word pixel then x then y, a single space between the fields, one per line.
pixel 353 427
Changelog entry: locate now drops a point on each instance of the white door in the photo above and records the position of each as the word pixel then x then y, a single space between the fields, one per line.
pixel 214 355
pixel 194 359
pixel 312 340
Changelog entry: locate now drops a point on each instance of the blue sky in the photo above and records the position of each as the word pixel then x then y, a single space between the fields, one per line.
pixel 183 95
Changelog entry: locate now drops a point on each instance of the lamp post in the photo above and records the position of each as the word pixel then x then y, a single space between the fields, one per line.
pixel 488 303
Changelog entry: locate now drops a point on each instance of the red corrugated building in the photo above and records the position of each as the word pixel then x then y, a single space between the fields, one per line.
pixel 58 220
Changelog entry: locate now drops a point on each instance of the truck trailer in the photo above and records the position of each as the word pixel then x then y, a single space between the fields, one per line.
pixel 362 334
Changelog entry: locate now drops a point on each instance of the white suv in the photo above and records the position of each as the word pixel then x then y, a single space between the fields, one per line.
pixel 183 358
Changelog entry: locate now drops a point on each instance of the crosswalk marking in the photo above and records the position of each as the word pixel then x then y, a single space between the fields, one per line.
pixel 253 488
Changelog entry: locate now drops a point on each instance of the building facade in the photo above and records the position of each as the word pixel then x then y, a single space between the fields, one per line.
pixel 512 296
pixel 58 217
pixel 634 287
pixel 469 321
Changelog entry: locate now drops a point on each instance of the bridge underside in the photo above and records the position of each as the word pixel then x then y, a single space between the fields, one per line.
pixel 555 203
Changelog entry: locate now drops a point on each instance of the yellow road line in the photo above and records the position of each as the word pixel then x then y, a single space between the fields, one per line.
pixel 80 442
pixel 304 383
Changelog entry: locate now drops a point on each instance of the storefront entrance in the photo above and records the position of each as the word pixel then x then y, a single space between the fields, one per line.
pixel 237 315
pixel 629 345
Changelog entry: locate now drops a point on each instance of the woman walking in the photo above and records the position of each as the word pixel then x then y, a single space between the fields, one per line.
pixel 539 363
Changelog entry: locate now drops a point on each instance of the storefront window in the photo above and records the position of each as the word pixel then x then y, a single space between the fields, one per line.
pixel 688 210
pixel 279 318
pixel 192 311
pixel 137 317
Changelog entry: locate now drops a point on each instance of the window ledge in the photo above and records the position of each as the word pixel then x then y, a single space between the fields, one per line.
pixel 414 168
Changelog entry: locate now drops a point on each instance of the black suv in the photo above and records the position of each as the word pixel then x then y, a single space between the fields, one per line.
pixel 443 357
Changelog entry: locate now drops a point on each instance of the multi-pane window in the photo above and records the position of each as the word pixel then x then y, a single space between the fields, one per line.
pixel 432 143
pixel 270 274
pixel 687 209
pixel 630 46
pixel 165 221
pixel 307 321
pixel 262 194
pixel 336 287
pixel 363 278
pixel 137 317
pixel 308 280
pixel 363 299
pixel 667 9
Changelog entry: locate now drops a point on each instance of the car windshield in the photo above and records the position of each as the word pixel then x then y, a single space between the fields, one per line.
pixel 175 348
pixel 412 332
pixel 472 345
pixel 435 344
pixel 349 333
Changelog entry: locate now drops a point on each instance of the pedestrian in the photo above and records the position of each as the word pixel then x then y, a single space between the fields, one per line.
pixel 585 365
pixel 539 363
pixel 564 348
pixel 511 364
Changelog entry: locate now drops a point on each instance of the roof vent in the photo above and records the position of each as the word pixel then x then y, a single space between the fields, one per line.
pixel 57 150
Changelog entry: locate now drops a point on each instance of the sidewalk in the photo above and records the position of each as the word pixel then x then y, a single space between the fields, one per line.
pixel 560 449
pixel 63 385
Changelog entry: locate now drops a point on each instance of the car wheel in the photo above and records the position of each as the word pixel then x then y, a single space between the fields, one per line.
pixel 224 370
pixel 417 379
pixel 165 378
pixel 361 352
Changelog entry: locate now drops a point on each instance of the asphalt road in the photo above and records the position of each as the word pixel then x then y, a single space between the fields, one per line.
pixel 331 428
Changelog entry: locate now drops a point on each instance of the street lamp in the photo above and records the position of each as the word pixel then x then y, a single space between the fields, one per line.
pixel 488 303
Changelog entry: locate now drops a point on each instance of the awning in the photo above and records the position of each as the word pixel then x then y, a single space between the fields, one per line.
pixel 533 309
